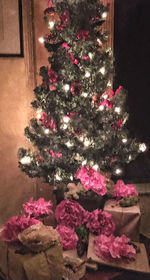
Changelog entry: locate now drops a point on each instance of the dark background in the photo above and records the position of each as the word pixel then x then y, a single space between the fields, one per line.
pixel 132 71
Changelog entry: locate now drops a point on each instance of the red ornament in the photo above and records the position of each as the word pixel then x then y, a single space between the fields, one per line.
pixel 83 34
pixel 76 88
pixel 52 87
pixel 52 76
pixel 47 121
pixel 118 124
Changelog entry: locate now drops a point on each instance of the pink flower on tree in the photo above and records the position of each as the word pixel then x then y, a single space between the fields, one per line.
pixel 92 180
pixel 111 248
pixel 70 213
pixel 14 226
pixel 121 190
pixel 47 121
pixel 52 76
pixel 69 237
pixel 38 208
pixel 100 222
pixel 83 34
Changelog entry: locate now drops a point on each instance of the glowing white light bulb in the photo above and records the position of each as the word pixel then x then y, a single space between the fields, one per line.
pixel 81 138
pixel 85 94
pixel 102 70
pixel 104 15
pixel 90 55
pixel 87 74
pixel 71 178
pixel 66 87
pixel 51 24
pixel 46 131
pixel 109 84
pixel 124 140
pixel 99 42
pixel 58 177
pixel 39 113
pixel 142 147
pixel 117 110
pixel 105 95
pixel 65 126
pixel 86 142
pixel 84 162
pixel 69 144
pixel 101 108
pixel 26 160
pixel 66 119
pixel 130 157
pixel 118 171
pixel 95 167
pixel 41 40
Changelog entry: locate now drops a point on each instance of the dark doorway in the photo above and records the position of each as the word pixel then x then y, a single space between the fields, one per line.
pixel 132 71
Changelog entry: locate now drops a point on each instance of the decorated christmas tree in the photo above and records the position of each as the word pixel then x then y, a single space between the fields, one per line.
pixel 80 123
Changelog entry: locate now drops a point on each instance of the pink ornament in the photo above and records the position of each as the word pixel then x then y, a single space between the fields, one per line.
pixel 69 237
pixel 83 34
pixel 52 76
pixel 65 45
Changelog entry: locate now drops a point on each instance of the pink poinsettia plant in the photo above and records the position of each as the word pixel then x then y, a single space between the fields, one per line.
pixel 100 222
pixel 70 213
pixel 38 208
pixel 69 237
pixel 16 225
pixel 92 180
pixel 122 190
pixel 111 248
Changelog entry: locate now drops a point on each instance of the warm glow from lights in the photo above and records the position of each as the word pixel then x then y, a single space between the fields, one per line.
pixel 118 171
pixel 104 15
pixel 71 178
pixel 46 131
pixel 101 108
pixel 84 162
pixel 117 110
pixel 109 84
pixel 58 177
pixel 85 94
pixel 86 142
pixel 65 126
pixel 90 55
pixel 95 167
pixel 81 138
pixel 41 40
pixel 99 42
pixel 130 157
pixel 26 160
pixel 69 144
pixel 105 95
pixel 66 119
pixel 142 147
pixel 124 140
pixel 102 70
pixel 39 113
pixel 66 87
pixel 51 24
pixel 87 74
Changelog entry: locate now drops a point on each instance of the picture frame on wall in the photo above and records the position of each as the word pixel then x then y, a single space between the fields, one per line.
pixel 11 37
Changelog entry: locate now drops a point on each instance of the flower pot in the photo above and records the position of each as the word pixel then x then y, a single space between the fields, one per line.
pixel 91 202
